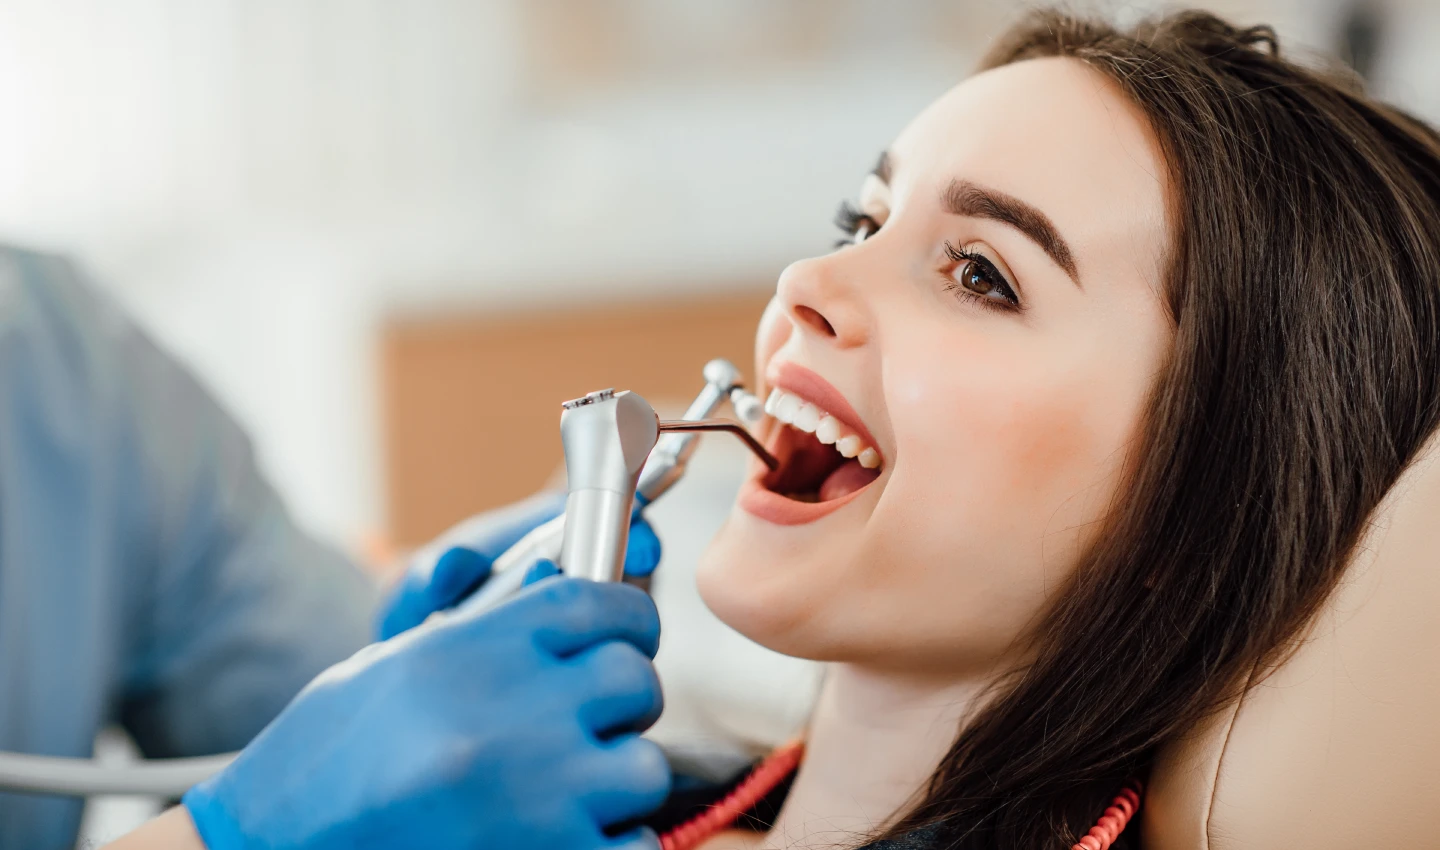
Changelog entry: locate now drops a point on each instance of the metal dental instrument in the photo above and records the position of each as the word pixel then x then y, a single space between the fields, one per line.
pixel 665 466
pixel 672 426
pixel 667 462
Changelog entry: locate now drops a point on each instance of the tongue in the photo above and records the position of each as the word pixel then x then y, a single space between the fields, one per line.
pixel 846 479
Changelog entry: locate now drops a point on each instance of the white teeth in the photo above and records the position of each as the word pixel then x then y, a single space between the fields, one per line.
pixel 787 407
pixel 804 416
pixel 807 418
pixel 828 431
pixel 773 402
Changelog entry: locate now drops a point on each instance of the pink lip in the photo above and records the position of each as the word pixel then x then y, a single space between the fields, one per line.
pixel 773 507
pixel 796 379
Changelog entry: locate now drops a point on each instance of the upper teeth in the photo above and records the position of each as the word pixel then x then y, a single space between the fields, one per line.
pixel 801 414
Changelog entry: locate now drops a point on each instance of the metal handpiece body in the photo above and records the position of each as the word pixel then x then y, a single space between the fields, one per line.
pixel 607 437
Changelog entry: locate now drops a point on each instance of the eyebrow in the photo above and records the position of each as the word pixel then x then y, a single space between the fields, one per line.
pixel 962 197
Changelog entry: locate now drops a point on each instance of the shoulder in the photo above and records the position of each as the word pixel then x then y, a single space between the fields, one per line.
pixel 46 295
pixel 56 329
pixel 53 349
pixel 69 353
pixel 83 385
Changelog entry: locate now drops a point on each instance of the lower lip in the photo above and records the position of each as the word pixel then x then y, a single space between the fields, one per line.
pixel 773 507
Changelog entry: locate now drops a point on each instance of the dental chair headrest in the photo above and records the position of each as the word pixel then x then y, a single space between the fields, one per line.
pixel 1340 746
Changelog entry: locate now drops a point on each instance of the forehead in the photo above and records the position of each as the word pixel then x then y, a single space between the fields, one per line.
pixel 1058 135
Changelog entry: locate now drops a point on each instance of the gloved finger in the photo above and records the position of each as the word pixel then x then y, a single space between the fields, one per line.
pixel 622 689
pixel 458 572
pixel 631 779
pixel 539 570
pixel 643 553
pixel 467 552
pixel 409 603
pixel 643 838
pixel 581 613
pixel 421 593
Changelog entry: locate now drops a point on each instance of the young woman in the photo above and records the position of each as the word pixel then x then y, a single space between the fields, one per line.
pixel 1129 334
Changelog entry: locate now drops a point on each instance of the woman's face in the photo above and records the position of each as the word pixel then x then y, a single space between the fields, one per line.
pixel 991 334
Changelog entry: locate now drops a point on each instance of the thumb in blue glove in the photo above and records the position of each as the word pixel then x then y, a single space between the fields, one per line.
pixel 516 727
pixel 459 561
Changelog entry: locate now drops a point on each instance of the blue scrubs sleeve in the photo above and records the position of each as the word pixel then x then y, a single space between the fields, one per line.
pixel 245 611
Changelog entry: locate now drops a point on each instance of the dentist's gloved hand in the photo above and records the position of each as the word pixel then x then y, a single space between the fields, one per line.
pixel 516 728
pixel 459 561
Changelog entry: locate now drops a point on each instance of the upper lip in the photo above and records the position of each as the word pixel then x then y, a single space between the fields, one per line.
pixel 797 380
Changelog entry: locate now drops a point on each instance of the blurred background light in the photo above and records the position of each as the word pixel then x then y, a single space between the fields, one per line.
pixel 268 183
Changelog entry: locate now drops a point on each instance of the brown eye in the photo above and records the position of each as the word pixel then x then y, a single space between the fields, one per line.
pixel 976 278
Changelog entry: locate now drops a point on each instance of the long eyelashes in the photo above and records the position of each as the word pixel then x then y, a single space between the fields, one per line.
pixel 975 277
pixel 851 221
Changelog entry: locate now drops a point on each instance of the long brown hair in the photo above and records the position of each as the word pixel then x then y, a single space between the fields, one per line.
pixel 1304 285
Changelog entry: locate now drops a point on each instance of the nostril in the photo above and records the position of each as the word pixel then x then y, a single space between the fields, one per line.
pixel 813 318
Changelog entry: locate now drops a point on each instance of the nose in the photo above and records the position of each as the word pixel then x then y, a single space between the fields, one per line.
pixel 823 303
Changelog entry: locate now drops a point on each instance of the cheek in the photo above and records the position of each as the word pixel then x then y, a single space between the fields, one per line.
pixel 1000 477
pixel 1024 454
pixel 1042 443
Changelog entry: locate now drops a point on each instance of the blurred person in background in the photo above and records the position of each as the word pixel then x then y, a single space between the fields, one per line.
pixel 150 576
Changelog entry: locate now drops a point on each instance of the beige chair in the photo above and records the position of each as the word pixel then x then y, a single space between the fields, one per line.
pixel 1339 747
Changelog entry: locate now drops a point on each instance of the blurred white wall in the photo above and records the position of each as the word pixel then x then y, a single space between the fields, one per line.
pixel 259 179
pixel 262 181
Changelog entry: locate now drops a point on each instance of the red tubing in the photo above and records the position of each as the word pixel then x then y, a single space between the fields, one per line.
pixel 761 781
pixel 781 763
pixel 1113 822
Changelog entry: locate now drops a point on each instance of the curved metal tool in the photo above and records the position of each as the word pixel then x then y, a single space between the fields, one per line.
pixel 671 425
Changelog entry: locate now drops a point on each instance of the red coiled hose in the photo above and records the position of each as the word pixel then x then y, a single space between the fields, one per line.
pixel 1113 822
pixel 781 763
pixel 761 781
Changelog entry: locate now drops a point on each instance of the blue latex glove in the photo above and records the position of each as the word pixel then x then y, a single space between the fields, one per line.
pixel 458 563
pixel 516 727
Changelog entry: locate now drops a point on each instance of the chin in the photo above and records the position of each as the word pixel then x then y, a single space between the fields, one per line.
pixel 775 599
pixel 832 595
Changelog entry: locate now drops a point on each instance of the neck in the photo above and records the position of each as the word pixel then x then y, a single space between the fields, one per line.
pixel 873 741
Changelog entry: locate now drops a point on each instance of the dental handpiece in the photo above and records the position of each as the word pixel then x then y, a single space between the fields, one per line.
pixel 607 436
pixel 665 466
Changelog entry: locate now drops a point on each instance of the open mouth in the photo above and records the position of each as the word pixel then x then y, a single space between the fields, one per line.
pixel 822 459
